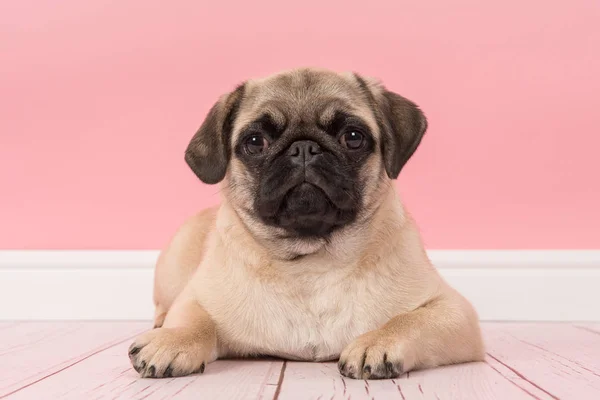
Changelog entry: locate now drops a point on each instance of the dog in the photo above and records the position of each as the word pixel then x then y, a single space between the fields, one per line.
pixel 311 255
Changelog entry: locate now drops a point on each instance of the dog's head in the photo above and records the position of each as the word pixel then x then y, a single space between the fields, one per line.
pixel 305 152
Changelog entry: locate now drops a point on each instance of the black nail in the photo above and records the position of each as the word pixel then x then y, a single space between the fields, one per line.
pixel 152 371
pixel 168 372
pixel 134 350
pixel 367 369
pixel 202 368
pixel 389 367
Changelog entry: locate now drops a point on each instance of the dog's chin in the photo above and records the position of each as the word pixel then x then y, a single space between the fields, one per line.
pixel 307 212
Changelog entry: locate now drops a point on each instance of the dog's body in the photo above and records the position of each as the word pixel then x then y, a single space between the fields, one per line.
pixel 314 271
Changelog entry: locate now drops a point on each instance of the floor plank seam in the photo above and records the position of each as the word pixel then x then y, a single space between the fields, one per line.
pixel 265 383
pixel 280 381
pixel 67 366
pixel 520 375
pixel 585 328
pixel 181 389
pixel 514 383
pixel 561 357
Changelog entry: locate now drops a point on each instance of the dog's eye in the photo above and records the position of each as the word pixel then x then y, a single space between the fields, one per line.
pixel 256 144
pixel 352 140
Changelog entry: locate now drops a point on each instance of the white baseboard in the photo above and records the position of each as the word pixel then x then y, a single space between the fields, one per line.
pixel 557 285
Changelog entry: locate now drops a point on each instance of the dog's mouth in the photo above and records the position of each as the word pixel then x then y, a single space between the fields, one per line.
pixel 305 199
pixel 306 209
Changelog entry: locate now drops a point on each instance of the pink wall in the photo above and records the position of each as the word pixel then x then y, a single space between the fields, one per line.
pixel 98 99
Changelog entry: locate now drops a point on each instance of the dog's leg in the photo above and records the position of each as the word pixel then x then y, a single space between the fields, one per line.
pixel 185 343
pixel 160 313
pixel 444 331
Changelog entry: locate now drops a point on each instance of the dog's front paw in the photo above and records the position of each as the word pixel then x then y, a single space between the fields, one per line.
pixel 167 352
pixel 374 355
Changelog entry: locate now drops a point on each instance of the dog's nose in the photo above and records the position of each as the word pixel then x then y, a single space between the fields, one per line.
pixel 303 152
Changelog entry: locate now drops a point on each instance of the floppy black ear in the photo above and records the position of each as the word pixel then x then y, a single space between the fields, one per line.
pixel 208 152
pixel 403 126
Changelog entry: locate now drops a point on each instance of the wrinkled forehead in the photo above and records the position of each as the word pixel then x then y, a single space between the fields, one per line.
pixel 305 96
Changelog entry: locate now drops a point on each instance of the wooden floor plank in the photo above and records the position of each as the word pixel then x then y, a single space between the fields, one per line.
pixel 30 351
pixel 560 359
pixel 7 324
pixel 16 336
pixel 89 360
pixel 466 381
pixel 108 375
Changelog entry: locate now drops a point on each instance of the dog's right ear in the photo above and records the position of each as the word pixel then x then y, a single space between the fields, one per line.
pixel 401 122
pixel 208 152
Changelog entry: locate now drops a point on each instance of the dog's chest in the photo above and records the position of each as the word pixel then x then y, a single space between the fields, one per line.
pixel 307 320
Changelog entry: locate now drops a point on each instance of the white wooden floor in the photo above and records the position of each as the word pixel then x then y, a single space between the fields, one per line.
pixel 88 360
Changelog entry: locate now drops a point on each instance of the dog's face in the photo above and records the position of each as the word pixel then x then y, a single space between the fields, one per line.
pixel 306 152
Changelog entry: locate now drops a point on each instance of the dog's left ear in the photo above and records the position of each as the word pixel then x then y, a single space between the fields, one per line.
pixel 208 152
pixel 401 122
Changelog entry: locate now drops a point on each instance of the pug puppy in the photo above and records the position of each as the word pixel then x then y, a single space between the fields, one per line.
pixel 311 255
